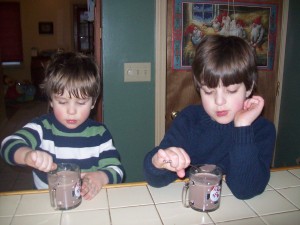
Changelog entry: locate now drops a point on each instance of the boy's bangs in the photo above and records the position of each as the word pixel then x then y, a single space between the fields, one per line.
pixel 75 87
pixel 211 77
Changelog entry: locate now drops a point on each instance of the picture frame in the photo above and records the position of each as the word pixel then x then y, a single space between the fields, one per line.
pixel 45 27
pixel 194 19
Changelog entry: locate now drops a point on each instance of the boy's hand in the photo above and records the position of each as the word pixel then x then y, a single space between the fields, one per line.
pixel 251 110
pixel 40 160
pixel 173 159
pixel 92 182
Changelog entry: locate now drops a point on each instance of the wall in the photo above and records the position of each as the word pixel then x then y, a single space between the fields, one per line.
pixel 34 11
pixel 288 141
pixel 3 117
pixel 128 36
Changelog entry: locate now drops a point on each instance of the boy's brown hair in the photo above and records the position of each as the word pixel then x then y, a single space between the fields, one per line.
pixel 75 73
pixel 227 58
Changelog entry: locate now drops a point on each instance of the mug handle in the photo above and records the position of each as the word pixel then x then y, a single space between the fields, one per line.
pixel 183 195
pixel 53 198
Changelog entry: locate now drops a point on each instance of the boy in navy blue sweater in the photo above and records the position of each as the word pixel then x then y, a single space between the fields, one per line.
pixel 226 130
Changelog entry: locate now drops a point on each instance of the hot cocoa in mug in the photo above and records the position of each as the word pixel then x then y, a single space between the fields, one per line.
pixel 64 186
pixel 203 190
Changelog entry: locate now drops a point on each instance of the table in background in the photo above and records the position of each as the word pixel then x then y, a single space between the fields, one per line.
pixel 139 203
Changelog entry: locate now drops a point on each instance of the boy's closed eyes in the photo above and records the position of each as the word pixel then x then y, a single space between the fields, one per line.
pixel 231 89
pixel 62 100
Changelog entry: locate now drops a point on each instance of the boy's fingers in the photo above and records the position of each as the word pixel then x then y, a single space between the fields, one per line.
pixel 181 173
pixel 33 156
pixel 162 155
pixel 54 166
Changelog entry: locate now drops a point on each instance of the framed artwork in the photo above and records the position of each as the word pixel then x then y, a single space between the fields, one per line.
pixel 256 22
pixel 45 27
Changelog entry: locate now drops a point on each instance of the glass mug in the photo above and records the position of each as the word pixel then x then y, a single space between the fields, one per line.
pixel 64 186
pixel 204 188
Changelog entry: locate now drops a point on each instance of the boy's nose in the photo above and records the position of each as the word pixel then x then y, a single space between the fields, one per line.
pixel 71 110
pixel 220 99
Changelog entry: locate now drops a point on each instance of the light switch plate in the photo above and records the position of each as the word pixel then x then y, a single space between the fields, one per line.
pixel 137 72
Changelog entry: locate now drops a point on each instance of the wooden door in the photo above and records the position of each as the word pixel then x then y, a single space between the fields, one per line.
pixel 180 90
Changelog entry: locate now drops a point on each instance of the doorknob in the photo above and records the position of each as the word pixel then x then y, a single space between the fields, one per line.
pixel 174 114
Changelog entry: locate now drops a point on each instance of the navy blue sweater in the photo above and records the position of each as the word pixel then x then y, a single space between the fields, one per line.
pixel 243 153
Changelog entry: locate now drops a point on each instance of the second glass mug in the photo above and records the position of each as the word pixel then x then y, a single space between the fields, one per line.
pixel 203 188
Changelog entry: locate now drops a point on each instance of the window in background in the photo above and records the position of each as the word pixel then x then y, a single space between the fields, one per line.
pixel 10 33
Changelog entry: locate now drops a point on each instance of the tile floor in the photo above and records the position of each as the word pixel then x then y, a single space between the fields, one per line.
pixel 279 204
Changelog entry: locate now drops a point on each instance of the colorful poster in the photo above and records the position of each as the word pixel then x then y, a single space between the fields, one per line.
pixel 193 19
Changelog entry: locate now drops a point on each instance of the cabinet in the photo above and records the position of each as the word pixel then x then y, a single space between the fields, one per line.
pixel 83 30
pixel 38 64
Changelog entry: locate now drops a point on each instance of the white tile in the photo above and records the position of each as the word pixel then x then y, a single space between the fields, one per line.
pixel 170 193
pixel 225 190
pixel 283 179
pixel 292 194
pixel 176 213
pixel 231 208
pixel 296 172
pixel 35 204
pixel 98 202
pixel 8 204
pixel 289 218
pixel 248 221
pixel 146 215
pixel 90 217
pixel 128 196
pixel 44 219
pixel 270 202
pixel 269 188
pixel 5 220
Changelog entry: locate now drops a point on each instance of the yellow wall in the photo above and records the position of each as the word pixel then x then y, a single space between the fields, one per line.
pixel 60 12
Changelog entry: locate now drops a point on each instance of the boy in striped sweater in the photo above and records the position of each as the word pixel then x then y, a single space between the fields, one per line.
pixel 72 85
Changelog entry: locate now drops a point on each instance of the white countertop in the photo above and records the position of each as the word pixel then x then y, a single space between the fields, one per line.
pixel 142 204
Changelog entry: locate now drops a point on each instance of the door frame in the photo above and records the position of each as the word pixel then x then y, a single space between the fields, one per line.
pixel 160 68
pixel 161 65
pixel 98 53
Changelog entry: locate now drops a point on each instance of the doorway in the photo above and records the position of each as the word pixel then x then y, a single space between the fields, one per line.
pixel 83 29
pixel 88 39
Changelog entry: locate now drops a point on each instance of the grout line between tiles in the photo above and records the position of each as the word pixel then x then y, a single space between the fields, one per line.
pixel 282 212
pixel 160 218
pixel 285 197
pixel 108 205
pixel 21 196
pixel 236 220
pixel 60 218
pixel 257 215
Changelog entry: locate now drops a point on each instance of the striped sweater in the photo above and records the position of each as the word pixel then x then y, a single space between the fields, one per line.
pixel 90 146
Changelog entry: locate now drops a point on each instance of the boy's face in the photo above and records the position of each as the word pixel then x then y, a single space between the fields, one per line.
pixel 71 112
pixel 222 103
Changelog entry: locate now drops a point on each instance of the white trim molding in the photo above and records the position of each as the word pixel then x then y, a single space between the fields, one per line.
pixel 284 23
pixel 160 68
